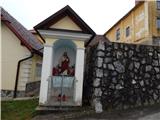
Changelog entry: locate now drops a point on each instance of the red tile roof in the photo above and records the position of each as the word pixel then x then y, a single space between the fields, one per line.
pixel 25 36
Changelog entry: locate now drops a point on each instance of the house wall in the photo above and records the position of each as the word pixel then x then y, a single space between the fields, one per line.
pixel 153 14
pixel 143 23
pixel 30 72
pixel 12 52
pixel 32 86
pixel 136 21
pixel 35 75
pixel 66 23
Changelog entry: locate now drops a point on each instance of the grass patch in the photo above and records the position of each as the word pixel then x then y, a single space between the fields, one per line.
pixel 18 110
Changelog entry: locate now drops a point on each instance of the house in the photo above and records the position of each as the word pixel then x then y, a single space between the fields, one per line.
pixel 66 35
pixel 141 25
pixel 21 59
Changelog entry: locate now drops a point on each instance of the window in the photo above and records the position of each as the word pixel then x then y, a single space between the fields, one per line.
pixel 38 69
pixel 118 34
pixel 158 4
pixel 127 31
pixel 158 23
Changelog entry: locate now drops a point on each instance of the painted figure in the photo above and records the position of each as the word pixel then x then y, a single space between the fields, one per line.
pixel 64 61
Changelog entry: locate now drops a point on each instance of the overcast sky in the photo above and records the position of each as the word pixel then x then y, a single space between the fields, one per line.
pixel 100 15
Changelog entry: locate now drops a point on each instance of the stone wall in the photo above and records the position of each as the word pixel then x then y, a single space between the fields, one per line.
pixel 32 89
pixel 123 75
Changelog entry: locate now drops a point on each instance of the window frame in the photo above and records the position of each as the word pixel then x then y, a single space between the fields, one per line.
pixel 118 34
pixel 158 23
pixel 158 4
pixel 128 31
pixel 38 69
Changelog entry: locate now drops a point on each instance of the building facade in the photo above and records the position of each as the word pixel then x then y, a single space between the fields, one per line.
pixel 65 35
pixel 21 59
pixel 141 25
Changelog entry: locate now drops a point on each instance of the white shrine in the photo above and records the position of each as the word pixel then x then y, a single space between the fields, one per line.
pixel 65 35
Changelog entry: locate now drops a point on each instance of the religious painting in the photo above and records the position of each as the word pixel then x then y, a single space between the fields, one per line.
pixel 63 67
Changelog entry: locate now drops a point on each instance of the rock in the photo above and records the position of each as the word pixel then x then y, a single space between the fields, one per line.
pixel 101 46
pixel 96 82
pixel 125 48
pixel 114 80
pixel 130 66
pixel 142 83
pixel 147 82
pixel 109 49
pixel 107 60
pixel 100 62
pixel 150 53
pixel 119 67
pixel 131 53
pixel 143 61
pixel 118 86
pixel 146 75
pixel 155 63
pixel 98 106
pixel 155 96
pixel 158 76
pixel 110 66
pixel 158 87
pixel 157 69
pixel 100 53
pixel 133 81
pixel 119 54
pixel 99 72
pixel 97 92
pixel 132 74
pixel 114 73
pixel 108 54
pixel 106 74
pixel 104 66
pixel 148 68
pixel 115 46
pixel 137 65
pixel 137 48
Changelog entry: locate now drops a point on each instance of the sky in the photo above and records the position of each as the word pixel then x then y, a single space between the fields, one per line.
pixel 100 15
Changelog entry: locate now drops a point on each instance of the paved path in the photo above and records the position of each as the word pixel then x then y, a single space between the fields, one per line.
pixel 155 116
pixel 146 113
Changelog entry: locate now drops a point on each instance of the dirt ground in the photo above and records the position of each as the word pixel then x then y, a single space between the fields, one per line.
pixel 141 113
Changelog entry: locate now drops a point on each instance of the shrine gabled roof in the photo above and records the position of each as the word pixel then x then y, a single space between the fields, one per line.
pixel 69 12
pixel 26 37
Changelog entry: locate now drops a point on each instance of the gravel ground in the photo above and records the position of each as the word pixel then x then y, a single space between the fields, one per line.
pixel 145 113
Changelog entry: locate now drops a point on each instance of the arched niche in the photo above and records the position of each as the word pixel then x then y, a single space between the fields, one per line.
pixel 61 46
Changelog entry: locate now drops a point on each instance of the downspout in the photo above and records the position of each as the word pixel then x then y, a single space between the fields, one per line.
pixel 17 74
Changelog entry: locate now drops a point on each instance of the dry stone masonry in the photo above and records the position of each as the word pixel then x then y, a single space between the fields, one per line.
pixel 123 75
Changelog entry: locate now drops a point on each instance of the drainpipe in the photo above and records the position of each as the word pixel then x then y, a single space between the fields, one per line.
pixel 17 75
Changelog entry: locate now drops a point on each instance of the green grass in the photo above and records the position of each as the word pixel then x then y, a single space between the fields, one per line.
pixel 18 110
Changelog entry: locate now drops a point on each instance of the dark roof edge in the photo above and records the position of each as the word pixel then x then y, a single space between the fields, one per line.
pixel 67 7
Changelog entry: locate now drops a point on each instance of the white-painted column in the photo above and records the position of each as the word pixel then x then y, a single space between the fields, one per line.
pixel 46 72
pixel 79 70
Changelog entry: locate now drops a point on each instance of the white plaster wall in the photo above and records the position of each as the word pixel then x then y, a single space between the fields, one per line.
pixel 79 76
pixel 12 52
pixel 46 73
pixel 24 74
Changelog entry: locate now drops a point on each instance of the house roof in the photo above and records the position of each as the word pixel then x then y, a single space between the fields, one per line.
pixel 26 37
pixel 66 11
pixel 135 7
